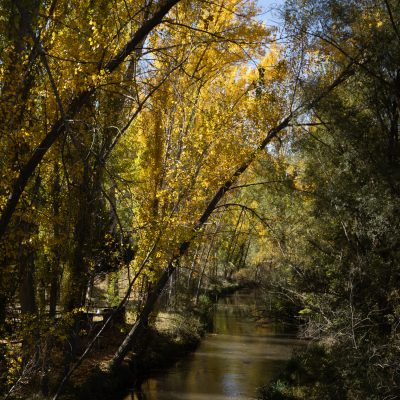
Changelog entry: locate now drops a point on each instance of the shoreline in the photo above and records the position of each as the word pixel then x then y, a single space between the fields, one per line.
pixel 156 351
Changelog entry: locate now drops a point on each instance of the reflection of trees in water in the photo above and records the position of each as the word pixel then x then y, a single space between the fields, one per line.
pixel 231 363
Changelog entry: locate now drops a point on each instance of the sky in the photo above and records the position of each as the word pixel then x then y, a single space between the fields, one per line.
pixel 270 16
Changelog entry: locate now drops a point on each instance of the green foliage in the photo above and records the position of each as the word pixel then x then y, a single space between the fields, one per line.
pixel 310 374
pixel 344 250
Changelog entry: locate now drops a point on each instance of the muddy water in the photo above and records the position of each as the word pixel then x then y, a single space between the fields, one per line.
pixel 234 359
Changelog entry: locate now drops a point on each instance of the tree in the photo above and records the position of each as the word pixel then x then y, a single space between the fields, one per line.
pixel 65 140
pixel 346 161
pixel 56 64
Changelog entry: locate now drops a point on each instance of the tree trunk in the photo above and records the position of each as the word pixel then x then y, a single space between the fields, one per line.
pixel 55 266
pixel 27 284
pixel 74 107
pixel 141 322
pixel 153 297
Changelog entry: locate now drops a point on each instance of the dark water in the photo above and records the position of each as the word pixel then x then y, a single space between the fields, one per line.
pixel 238 356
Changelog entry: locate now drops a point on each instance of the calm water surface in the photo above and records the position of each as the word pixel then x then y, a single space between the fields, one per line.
pixel 238 356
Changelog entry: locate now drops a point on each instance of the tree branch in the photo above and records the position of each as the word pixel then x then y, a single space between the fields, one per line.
pixel 75 106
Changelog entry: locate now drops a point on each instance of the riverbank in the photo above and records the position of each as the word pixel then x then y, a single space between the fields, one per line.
pixel 312 373
pixel 238 355
pixel 163 344
pixel 171 336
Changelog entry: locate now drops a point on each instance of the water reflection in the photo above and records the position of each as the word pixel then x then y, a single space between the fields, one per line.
pixel 231 362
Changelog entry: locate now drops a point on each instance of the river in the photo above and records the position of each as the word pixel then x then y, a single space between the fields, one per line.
pixel 235 358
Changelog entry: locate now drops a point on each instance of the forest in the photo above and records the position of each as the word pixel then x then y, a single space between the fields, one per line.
pixel 156 154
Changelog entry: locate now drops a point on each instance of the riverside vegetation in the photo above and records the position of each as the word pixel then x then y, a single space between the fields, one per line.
pixel 154 151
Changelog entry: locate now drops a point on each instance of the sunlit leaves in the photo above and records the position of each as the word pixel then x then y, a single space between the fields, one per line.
pixel 200 124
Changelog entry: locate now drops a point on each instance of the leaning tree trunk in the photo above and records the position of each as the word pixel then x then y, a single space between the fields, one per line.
pixel 141 322
pixel 77 103
pixel 226 186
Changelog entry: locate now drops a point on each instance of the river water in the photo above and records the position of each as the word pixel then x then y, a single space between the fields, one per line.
pixel 235 358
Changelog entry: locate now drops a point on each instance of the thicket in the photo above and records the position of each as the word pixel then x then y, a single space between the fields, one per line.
pixel 342 258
